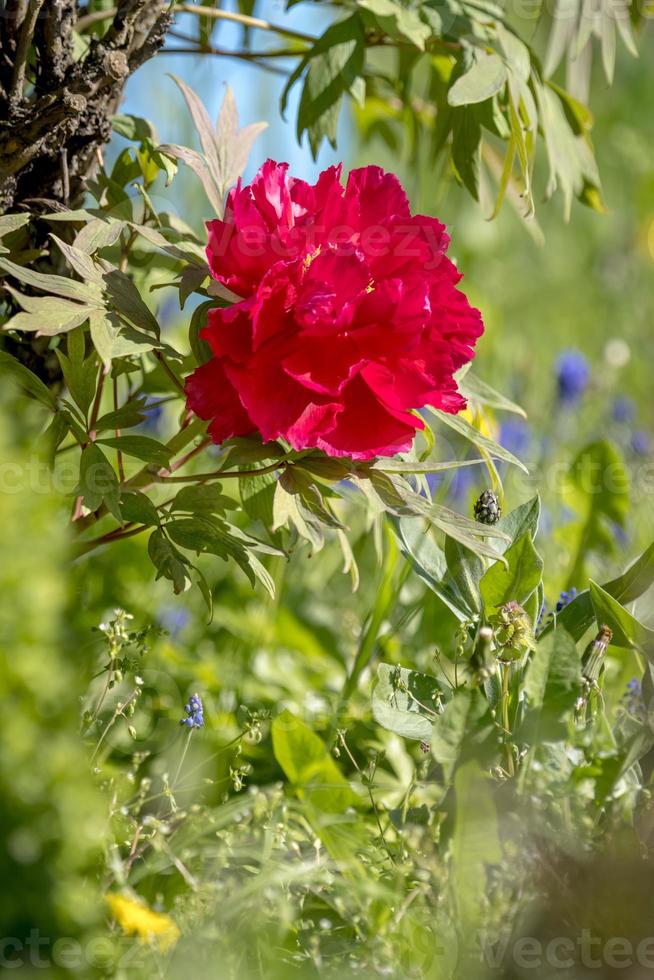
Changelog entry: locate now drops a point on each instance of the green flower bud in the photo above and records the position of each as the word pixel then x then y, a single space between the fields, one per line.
pixel 513 631
pixel 487 508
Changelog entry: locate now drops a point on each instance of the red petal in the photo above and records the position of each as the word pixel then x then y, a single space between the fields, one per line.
pixel 210 394
pixel 365 429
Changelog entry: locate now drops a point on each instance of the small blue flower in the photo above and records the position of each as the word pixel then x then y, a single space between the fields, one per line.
pixel 640 443
pixel 515 436
pixel 194 711
pixel 173 618
pixel 565 599
pixel 572 376
pixel 623 410
pixel 633 700
pixel 153 415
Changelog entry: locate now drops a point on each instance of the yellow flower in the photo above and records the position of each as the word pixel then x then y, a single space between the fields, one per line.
pixel 482 421
pixel 136 919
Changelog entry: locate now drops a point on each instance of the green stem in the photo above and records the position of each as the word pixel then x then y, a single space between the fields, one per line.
pixel 221 474
pixel 245 20
pixel 117 713
pixel 187 742
pixel 383 602
pixel 169 371
pixel 506 677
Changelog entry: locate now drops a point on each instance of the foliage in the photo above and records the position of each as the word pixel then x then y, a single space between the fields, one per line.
pixel 406 756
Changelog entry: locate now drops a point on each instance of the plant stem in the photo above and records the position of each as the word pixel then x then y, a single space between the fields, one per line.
pixel 119 455
pixel 117 713
pixel 187 742
pixel 169 371
pixel 221 474
pixel 245 20
pixel 129 531
pixel 384 599
pixel 506 677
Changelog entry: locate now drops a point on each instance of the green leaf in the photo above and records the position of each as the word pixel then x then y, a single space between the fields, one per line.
pixel 258 495
pixel 414 466
pixel 467 532
pixel 522 520
pixel 552 684
pixel 627 630
pixel 579 616
pixel 466 148
pixel 127 300
pixel 142 447
pixel 98 482
pixel 515 580
pixel 80 261
pixel 465 570
pixel 405 701
pixel 113 339
pixel 428 559
pixel 474 388
pixel 168 561
pixel 136 508
pixel 475 844
pixel 398 21
pixel 47 315
pixel 462 730
pixel 473 435
pixel 131 414
pixel 134 128
pixel 334 65
pixel 202 499
pixel 99 233
pixel 57 285
pixel 80 372
pixel 12 222
pixel 308 765
pixel 27 380
pixel 599 475
pixel 482 81
pixel 200 348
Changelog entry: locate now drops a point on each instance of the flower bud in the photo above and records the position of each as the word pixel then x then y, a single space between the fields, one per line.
pixel 487 508
pixel 513 631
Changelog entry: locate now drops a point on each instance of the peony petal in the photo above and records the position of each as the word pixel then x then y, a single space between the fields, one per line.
pixel 324 364
pixel 229 330
pixel 210 395
pixel 379 195
pixel 365 428
pixel 271 192
pixel 274 401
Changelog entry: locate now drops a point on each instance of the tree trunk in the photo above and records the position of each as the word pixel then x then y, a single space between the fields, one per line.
pixel 55 110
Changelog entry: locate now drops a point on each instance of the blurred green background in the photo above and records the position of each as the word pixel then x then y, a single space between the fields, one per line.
pixel 243 874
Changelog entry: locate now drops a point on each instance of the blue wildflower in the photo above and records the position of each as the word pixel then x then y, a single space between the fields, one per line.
pixel 623 410
pixel 153 414
pixel 572 376
pixel 633 699
pixel 565 599
pixel 619 533
pixel 515 436
pixel 640 443
pixel 173 618
pixel 194 712
pixel 462 481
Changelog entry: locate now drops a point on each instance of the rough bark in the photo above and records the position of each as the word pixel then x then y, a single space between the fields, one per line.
pixel 55 113
pixel 54 110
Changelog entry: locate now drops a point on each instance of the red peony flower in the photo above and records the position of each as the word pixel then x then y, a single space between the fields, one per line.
pixel 349 317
